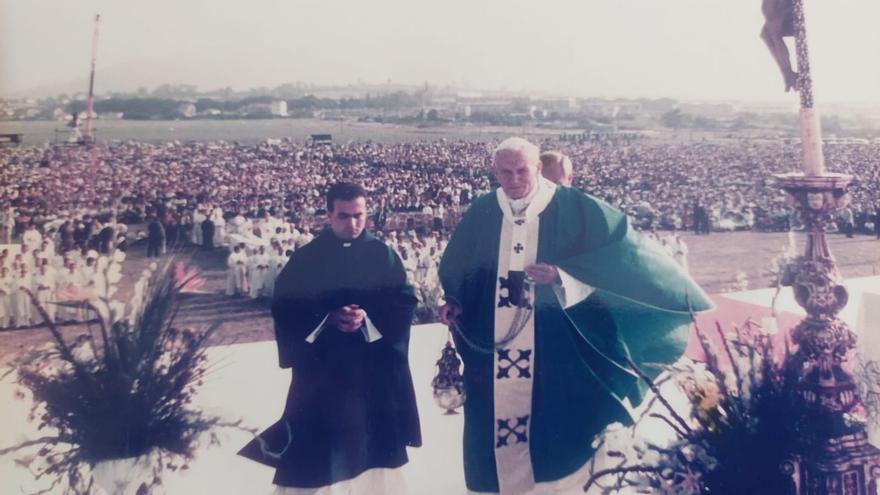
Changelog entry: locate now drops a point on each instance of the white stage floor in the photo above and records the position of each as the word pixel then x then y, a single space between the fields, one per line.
pixel 247 384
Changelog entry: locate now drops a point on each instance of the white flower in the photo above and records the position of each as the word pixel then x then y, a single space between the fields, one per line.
pixel 621 442
pixel 118 256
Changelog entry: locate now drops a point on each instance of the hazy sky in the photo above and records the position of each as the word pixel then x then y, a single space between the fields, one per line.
pixel 697 49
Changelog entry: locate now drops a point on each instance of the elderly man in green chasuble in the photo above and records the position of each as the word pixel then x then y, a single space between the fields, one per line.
pixel 551 293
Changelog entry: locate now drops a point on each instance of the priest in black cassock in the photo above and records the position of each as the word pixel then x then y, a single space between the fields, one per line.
pixel 342 309
pixel 552 295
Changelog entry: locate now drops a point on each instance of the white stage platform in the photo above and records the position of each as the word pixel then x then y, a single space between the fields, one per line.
pixel 247 384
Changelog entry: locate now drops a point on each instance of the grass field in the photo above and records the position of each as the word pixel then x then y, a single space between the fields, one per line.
pixel 252 131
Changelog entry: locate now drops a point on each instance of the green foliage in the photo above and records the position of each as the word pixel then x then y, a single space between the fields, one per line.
pixel 122 392
pixel 140 108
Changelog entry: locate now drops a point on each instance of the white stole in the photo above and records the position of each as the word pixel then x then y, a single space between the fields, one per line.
pixel 515 358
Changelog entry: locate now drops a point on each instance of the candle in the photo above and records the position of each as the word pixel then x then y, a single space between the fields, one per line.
pixel 811 143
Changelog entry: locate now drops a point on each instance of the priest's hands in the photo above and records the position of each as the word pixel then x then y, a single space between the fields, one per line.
pixel 348 318
pixel 448 313
pixel 543 274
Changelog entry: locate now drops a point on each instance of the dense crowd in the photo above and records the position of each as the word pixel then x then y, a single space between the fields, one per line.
pixel 70 205
pixel 658 182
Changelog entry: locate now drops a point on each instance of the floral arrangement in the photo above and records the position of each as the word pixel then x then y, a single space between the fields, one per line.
pixel 734 435
pixel 121 390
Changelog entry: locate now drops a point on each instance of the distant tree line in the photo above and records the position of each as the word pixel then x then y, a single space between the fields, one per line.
pixel 155 107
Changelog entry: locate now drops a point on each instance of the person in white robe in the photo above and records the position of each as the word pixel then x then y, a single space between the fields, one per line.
pixel 423 265
pixel 22 308
pixel 409 262
pixel 6 287
pixel 47 248
pixel 45 285
pixel 238 225
pixel 277 260
pixel 236 273
pixel 93 283
pixel 392 242
pixel 8 224
pixel 198 217
pixel 219 226
pixel 259 265
pixel 70 287
pixel 31 237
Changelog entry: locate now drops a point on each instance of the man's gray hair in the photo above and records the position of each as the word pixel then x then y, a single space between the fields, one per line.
pixel 520 145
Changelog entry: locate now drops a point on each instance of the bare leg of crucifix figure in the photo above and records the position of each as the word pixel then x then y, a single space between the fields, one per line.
pixel 779 22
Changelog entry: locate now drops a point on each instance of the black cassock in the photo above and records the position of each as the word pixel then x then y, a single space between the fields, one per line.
pixel 351 404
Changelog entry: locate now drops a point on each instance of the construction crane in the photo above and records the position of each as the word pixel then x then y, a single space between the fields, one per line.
pixel 88 135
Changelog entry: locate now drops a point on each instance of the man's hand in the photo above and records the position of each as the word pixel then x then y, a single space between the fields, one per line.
pixel 448 313
pixel 348 318
pixel 543 274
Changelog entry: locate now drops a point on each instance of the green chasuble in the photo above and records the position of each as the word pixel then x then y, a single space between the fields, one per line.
pixel 639 310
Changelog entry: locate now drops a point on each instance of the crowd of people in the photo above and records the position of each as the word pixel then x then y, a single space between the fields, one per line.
pixel 258 250
pixel 41 269
pixel 69 205
pixel 659 183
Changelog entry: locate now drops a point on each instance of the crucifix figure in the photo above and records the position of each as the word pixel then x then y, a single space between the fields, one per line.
pixel 779 23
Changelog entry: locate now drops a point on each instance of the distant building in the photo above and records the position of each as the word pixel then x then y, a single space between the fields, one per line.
pixel 278 108
pixel 605 108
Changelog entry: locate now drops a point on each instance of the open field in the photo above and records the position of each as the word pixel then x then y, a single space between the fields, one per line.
pixel 714 261
pixel 250 131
